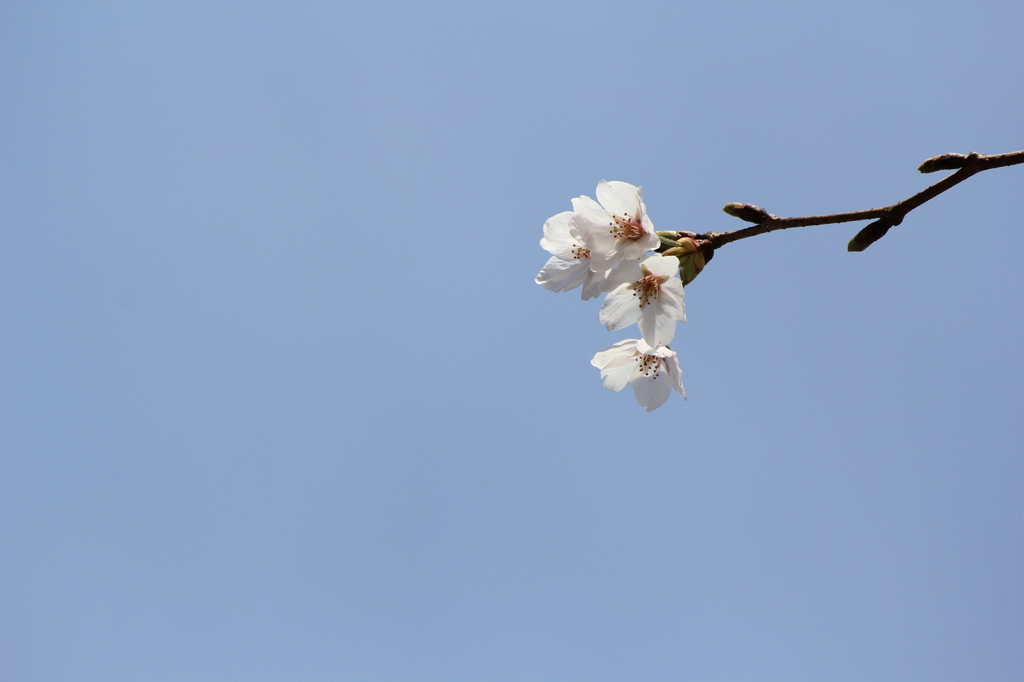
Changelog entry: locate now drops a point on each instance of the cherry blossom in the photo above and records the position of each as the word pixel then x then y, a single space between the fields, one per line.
pixel 605 246
pixel 617 229
pixel 569 265
pixel 647 292
pixel 652 372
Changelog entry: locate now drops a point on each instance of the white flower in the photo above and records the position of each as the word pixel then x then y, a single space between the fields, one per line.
pixel 569 265
pixel 652 372
pixel 617 229
pixel 646 292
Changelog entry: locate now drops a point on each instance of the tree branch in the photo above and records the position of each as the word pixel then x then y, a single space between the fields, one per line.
pixel 885 217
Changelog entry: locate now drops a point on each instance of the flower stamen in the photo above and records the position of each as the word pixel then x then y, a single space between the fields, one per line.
pixel 647 288
pixel 648 364
pixel 626 228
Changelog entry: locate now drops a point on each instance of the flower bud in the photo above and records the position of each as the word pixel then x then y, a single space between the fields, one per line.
pixel 748 212
pixel 943 162
pixel 693 255
pixel 869 235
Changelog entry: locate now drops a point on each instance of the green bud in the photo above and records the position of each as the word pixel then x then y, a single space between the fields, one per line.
pixel 693 255
pixel 668 239
pixel 869 235
pixel 748 212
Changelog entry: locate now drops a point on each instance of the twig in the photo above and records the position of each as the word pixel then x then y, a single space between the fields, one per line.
pixel 885 217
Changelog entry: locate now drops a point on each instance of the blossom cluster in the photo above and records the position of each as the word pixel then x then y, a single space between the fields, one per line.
pixel 608 246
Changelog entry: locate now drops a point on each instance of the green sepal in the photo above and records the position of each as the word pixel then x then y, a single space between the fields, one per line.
pixel 693 255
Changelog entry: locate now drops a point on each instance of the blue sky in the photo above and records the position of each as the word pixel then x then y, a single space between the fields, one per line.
pixel 282 401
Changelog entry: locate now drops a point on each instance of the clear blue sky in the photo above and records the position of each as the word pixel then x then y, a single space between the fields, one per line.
pixel 282 401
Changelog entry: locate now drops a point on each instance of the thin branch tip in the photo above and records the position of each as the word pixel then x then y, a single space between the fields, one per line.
pixel 885 217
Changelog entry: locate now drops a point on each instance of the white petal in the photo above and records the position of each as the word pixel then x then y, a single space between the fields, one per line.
pixel 580 204
pixel 654 328
pixel 586 224
pixel 673 299
pixel 563 275
pixel 664 329
pixel 652 393
pixel 634 250
pixel 617 364
pixel 627 273
pixel 676 375
pixel 620 308
pixel 645 348
pixel 604 259
pixel 646 222
pixel 604 247
pixel 620 198
pixel 557 240
pixel 617 378
pixel 604 357
pixel 596 219
pixel 662 266
pixel 593 285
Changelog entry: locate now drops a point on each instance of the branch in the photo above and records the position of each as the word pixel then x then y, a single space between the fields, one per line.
pixel 885 217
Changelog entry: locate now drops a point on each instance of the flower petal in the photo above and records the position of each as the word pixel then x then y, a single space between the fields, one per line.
pixel 673 299
pixel 557 241
pixel 656 329
pixel 617 364
pixel 604 357
pixel 662 266
pixel 634 250
pixel 617 378
pixel 620 198
pixel 664 329
pixel 676 375
pixel 580 204
pixel 562 275
pixel 593 285
pixel 652 392
pixel 620 308
pixel 626 273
